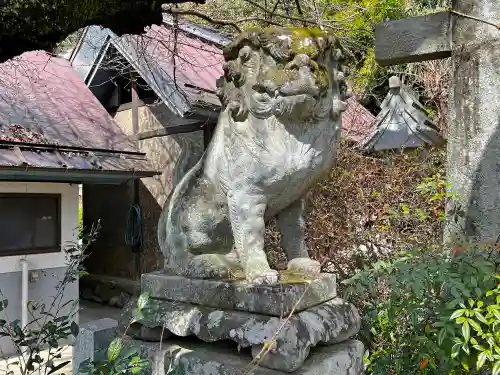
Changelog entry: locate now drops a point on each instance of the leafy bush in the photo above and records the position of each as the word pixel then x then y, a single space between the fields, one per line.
pixel 480 326
pixel 120 357
pixel 407 304
pixel 80 222
pixel 363 203
pixel 52 324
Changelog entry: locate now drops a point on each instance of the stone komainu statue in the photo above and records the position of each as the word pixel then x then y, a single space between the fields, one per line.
pixel 277 134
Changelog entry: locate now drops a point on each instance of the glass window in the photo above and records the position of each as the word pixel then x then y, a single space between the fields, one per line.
pixel 29 223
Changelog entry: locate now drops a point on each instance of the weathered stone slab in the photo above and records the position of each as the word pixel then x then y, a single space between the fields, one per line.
pixel 326 324
pixel 195 358
pixel 275 300
pixel 413 39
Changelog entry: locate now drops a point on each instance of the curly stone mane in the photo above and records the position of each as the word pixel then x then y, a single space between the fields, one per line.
pixel 270 71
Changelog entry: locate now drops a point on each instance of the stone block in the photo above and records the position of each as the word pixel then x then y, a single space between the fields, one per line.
pixel 188 357
pixel 92 340
pixel 290 339
pixel 275 300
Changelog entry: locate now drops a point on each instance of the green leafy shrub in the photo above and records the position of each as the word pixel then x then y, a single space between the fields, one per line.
pixel 407 304
pixel 41 343
pixel 51 323
pixel 479 323
pixel 121 358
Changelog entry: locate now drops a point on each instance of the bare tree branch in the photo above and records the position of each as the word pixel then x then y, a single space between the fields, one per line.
pixel 203 16
pixel 288 17
pixel 215 21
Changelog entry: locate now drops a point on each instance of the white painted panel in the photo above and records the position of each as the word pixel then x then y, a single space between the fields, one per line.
pixel 69 224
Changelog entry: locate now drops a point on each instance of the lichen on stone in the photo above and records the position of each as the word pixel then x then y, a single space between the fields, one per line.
pixel 287 277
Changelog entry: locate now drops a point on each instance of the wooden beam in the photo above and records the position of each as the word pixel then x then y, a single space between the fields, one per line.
pixel 413 39
pixel 178 129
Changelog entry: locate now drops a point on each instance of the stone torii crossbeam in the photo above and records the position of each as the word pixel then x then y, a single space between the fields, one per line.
pixel 468 34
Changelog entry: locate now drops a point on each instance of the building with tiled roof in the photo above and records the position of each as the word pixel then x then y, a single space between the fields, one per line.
pixel 54 135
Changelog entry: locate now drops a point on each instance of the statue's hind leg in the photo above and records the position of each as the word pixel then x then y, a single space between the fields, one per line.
pixel 291 224
pixel 209 242
pixel 246 212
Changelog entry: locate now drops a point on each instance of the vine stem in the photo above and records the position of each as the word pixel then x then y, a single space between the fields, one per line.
pixel 496 25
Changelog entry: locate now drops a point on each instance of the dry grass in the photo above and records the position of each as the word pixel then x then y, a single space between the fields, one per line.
pixel 353 209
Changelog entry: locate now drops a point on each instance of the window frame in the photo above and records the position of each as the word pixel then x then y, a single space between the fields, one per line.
pixel 37 250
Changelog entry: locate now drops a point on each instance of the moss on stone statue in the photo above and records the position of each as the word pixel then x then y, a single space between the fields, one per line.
pixel 307 41
pixel 303 40
pixel 280 76
pixel 322 77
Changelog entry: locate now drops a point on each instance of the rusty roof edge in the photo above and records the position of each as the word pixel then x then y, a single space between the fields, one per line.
pixel 46 174
pixel 54 147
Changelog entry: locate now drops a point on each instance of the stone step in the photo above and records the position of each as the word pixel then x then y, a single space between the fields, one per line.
pixel 274 300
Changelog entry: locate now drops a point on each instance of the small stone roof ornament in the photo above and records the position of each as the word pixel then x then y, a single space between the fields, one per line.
pixel 401 123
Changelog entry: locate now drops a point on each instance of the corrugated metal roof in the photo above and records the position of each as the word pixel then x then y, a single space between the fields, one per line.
pixel 357 121
pixel 43 102
pixel 197 63
pixel 15 157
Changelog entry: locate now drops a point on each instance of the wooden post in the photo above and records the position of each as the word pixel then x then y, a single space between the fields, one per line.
pixel 474 109
pixel 135 130
pixel 135 109
pixel 208 130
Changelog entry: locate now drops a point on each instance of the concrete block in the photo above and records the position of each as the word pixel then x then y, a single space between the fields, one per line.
pixel 92 341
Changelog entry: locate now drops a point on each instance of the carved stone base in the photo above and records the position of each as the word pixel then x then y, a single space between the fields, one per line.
pixel 329 323
pixel 188 357
pixel 275 300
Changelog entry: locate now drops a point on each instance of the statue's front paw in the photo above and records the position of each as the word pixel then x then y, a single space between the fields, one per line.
pixel 268 277
pixel 304 265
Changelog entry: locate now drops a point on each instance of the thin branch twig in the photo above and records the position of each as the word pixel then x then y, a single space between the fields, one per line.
pixel 496 25
pixel 190 12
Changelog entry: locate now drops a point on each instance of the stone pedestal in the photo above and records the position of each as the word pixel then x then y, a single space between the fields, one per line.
pixel 274 300
pixel 253 317
pixel 188 357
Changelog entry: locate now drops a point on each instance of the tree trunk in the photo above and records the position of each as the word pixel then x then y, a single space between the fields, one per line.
pixel 474 121
pixel 28 25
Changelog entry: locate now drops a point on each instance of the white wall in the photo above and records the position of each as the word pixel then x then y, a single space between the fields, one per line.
pixel 69 223
pixel 52 265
